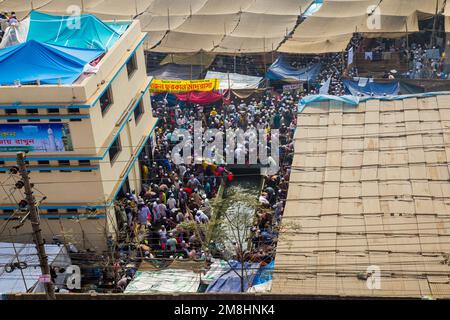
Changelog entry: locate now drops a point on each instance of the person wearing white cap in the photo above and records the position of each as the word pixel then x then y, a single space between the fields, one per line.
pixel 201 217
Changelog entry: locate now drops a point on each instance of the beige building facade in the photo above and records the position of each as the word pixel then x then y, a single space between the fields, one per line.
pixel 107 128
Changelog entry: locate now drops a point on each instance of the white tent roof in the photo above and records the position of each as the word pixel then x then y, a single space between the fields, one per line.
pixel 247 26
pixel 236 81
pixel 168 280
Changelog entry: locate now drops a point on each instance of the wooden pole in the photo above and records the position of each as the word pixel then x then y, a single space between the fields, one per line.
pixel 168 19
pixel 432 40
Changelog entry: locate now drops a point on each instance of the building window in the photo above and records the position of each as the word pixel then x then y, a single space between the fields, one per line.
pixel 138 112
pixel 11 111
pixel 106 100
pixel 74 110
pixel 72 210
pixel 53 110
pixel 32 111
pixel 85 163
pixel 13 120
pixel 55 120
pixel 53 211
pixel 64 163
pixel 34 120
pixel 44 164
pixel 131 66
pixel 115 150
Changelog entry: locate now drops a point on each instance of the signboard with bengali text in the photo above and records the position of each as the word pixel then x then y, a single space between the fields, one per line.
pixel 35 137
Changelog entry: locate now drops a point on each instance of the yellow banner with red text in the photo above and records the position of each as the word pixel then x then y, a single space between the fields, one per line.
pixel 184 85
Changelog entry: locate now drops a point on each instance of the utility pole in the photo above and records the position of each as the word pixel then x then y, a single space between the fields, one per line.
pixel 43 259
pixel 435 20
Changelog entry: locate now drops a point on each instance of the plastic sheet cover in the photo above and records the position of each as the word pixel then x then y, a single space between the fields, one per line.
pixel 234 80
pixel 355 101
pixel 34 61
pixel 282 71
pixel 86 31
pixel 230 282
pixel 372 88
pixel 168 281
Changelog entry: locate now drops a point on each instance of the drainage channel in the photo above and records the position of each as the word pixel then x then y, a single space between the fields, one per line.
pixel 235 208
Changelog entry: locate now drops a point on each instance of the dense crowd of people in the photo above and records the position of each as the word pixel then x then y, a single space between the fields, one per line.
pixel 169 219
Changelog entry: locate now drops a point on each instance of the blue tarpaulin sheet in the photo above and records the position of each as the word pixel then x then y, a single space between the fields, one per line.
pixel 280 70
pixel 230 281
pixel 32 61
pixel 85 31
pixel 264 274
pixel 371 88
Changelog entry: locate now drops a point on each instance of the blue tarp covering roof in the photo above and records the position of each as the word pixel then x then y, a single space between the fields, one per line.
pixel 368 88
pixel 281 70
pixel 32 61
pixel 85 31
pixel 231 282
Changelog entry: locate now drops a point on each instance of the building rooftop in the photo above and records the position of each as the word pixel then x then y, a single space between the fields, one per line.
pixel 56 49
pixel 369 187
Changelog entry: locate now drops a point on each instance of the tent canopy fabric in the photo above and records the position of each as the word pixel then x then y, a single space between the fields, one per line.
pixel 281 70
pixel 245 93
pixel 201 59
pixel 369 88
pixel 34 61
pixel 200 97
pixel 317 45
pixel 85 31
pixel 235 81
pixel 328 29
pixel 177 72
pixel 249 26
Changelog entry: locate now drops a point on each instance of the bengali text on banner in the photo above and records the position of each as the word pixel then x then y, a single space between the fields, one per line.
pixel 184 85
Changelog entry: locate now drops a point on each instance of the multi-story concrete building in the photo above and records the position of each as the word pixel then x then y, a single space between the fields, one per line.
pixel 97 128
